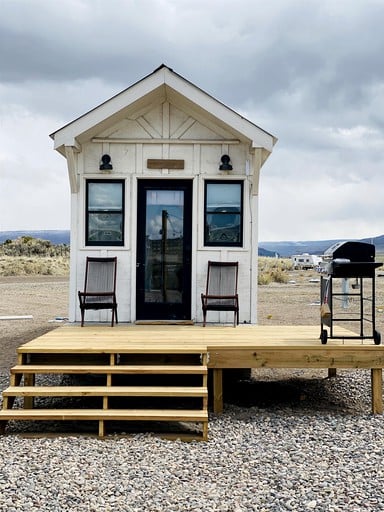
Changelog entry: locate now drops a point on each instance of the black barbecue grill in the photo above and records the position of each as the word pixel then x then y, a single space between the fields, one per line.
pixel 343 301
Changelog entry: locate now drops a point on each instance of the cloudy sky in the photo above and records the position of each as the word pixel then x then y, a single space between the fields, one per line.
pixel 308 71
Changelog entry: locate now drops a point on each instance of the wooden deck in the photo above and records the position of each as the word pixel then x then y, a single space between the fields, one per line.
pixel 172 351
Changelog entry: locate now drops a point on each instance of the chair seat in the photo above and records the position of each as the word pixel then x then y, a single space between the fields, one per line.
pixel 98 305
pixel 214 303
pixel 94 301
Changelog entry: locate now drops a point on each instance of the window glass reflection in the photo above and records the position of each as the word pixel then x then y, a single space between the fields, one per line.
pixel 223 214
pixel 105 196
pixel 105 212
pixel 221 196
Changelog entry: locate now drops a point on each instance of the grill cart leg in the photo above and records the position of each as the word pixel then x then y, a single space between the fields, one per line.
pixel 324 336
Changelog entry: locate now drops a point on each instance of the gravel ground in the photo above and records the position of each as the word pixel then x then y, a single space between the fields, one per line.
pixel 287 440
pixel 301 452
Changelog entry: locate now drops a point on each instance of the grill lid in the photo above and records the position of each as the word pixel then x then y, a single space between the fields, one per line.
pixel 353 251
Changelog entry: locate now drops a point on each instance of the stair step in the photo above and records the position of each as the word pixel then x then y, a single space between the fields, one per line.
pixel 105 414
pixel 147 391
pixel 155 369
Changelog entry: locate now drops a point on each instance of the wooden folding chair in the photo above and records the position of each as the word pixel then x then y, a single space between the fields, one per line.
pixel 221 290
pixel 100 286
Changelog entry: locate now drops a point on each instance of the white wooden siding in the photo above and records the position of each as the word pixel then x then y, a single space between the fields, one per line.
pixel 130 143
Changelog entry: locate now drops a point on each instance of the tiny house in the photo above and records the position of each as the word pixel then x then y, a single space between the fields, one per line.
pixel 164 177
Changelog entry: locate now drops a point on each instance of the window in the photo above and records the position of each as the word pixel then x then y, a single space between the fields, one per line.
pixel 223 213
pixel 105 212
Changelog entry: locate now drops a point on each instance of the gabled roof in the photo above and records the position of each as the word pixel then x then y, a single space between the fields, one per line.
pixel 161 85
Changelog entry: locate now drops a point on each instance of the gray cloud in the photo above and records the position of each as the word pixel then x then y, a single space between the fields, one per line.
pixel 309 72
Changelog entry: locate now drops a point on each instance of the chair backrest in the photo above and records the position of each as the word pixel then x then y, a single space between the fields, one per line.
pixel 222 278
pixel 100 275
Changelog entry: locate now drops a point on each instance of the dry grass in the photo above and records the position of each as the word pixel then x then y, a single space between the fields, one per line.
pixel 274 270
pixel 34 265
pixel 27 256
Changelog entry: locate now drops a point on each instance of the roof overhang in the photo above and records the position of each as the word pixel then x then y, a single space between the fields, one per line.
pixel 161 85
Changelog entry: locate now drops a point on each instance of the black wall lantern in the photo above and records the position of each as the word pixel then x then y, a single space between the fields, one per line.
pixel 225 165
pixel 105 163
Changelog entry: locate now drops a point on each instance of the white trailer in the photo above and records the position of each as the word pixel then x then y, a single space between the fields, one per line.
pixel 305 261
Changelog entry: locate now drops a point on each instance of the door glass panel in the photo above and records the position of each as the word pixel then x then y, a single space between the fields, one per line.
pixel 164 246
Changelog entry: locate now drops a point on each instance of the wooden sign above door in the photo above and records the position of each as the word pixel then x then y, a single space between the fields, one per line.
pixel 165 164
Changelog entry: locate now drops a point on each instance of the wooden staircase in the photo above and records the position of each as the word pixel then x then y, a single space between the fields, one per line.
pixel 132 387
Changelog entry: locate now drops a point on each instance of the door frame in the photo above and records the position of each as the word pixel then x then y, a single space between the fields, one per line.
pixel 184 309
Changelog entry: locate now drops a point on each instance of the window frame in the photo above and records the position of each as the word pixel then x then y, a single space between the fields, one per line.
pixel 88 213
pixel 219 243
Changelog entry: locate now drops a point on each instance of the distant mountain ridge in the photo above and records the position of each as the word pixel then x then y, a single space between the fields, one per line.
pixel 287 249
pixel 57 236
pixel 284 249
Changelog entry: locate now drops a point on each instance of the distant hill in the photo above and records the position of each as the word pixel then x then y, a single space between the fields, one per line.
pixel 287 249
pixel 265 252
pixel 56 237
pixel 378 241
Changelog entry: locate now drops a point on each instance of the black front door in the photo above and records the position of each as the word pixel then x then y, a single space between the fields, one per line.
pixel 164 233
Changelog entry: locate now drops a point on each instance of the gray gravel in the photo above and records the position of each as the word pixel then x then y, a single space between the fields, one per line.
pixel 315 447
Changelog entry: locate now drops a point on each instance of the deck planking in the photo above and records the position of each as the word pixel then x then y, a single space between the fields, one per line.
pixel 246 346
pixel 122 339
